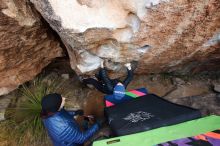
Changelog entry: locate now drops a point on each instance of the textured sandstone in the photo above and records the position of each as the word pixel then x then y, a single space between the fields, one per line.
pixel 183 35
pixel 26 44
pixel 4 103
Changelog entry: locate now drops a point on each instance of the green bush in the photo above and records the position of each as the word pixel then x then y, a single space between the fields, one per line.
pixel 24 124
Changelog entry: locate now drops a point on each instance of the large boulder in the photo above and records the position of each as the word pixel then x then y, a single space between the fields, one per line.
pixel 26 44
pixel 182 36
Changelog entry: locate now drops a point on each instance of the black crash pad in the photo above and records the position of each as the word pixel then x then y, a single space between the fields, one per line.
pixel 145 113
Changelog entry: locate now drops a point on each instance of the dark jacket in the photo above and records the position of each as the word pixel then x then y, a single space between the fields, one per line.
pixel 106 85
pixel 109 84
pixel 64 131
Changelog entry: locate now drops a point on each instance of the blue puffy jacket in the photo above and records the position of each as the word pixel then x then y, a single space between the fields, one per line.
pixel 64 131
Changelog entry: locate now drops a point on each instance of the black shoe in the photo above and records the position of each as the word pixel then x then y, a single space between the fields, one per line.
pixel 80 78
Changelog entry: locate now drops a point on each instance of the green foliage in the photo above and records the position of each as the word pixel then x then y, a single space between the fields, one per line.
pixel 24 122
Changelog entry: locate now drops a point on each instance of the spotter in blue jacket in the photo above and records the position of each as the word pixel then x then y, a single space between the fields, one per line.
pixel 64 130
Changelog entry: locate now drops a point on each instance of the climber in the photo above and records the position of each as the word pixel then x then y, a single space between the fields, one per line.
pixel 60 124
pixel 106 85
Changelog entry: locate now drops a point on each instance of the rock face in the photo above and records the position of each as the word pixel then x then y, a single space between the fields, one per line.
pixel 26 44
pixel 182 36
pixel 217 88
pixel 4 103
